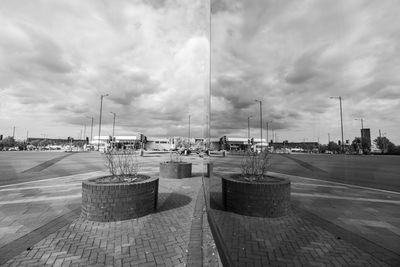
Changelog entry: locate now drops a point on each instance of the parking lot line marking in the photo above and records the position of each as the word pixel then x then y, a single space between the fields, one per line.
pixel 348 185
pixel 75 184
pixel 48 179
pixel 397 202
pixel 41 199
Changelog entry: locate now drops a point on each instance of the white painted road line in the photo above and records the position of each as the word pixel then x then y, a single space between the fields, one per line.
pixel 397 202
pixel 330 182
pixel 41 199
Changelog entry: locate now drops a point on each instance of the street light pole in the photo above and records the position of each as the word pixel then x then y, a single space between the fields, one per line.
pixel 248 129
pixel 91 129
pixel 268 132
pixel 260 122
pixel 341 117
pixel 189 128
pixel 113 144
pixel 101 108
pixel 113 123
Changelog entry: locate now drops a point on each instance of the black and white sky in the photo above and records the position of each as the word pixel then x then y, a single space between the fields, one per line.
pixel 151 57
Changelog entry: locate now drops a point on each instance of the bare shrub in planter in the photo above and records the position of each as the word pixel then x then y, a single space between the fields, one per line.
pixel 123 165
pixel 255 166
pixel 122 195
pixel 175 167
pixel 253 192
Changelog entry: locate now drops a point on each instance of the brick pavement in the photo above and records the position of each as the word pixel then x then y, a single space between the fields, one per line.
pixel 285 241
pixel 299 239
pixel 170 237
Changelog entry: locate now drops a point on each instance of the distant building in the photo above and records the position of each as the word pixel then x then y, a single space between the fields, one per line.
pixel 158 143
pixel 366 138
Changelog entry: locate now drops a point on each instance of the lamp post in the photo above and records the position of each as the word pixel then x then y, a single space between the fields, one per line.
pixel 248 129
pixel 189 128
pixel 341 117
pixel 260 122
pixel 101 108
pixel 113 123
pixel 248 126
pixel 113 129
pixel 91 129
pixel 362 127
pixel 267 132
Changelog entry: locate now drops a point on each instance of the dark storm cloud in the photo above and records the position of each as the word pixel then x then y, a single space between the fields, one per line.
pixel 130 86
pixel 236 89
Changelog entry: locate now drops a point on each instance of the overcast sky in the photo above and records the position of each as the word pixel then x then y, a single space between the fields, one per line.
pixel 294 55
pixel 151 57
pixel 58 57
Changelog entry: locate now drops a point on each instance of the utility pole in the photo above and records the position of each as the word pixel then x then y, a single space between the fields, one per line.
pixel 113 123
pixel 189 128
pixel 101 108
pixel 84 131
pixel 260 122
pixel 248 128
pixel 112 139
pixel 91 129
pixel 341 117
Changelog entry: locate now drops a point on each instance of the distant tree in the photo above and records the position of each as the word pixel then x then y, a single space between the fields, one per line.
pixel 9 141
pixel 182 142
pixel 323 148
pixel 386 146
pixel 332 146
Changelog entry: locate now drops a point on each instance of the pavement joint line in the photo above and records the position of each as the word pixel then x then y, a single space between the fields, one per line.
pixel 321 185
pixel 39 199
pixel 41 187
pixel 349 185
pixel 54 178
pixel 346 198
pixel 62 177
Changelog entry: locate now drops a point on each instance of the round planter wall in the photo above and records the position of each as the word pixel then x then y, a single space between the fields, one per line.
pixel 266 199
pixel 118 201
pixel 176 170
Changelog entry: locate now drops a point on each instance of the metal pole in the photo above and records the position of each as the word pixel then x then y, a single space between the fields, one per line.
pixel 14 132
pixel 267 134
pixel 84 131
pixel 341 117
pixel 113 123
pixel 248 129
pixel 91 132
pixel 261 125
pixel 341 121
pixel 260 122
pixel 101 108
pixel 189 129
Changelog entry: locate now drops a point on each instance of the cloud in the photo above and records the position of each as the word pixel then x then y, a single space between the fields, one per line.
pixel 59 57
pixel 297 54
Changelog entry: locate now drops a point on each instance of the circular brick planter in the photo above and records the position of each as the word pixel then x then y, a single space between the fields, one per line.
pixel 118 201
pixel 260 199
pixel 176 170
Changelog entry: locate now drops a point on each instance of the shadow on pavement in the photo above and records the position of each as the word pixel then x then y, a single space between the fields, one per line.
pixel 173 201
